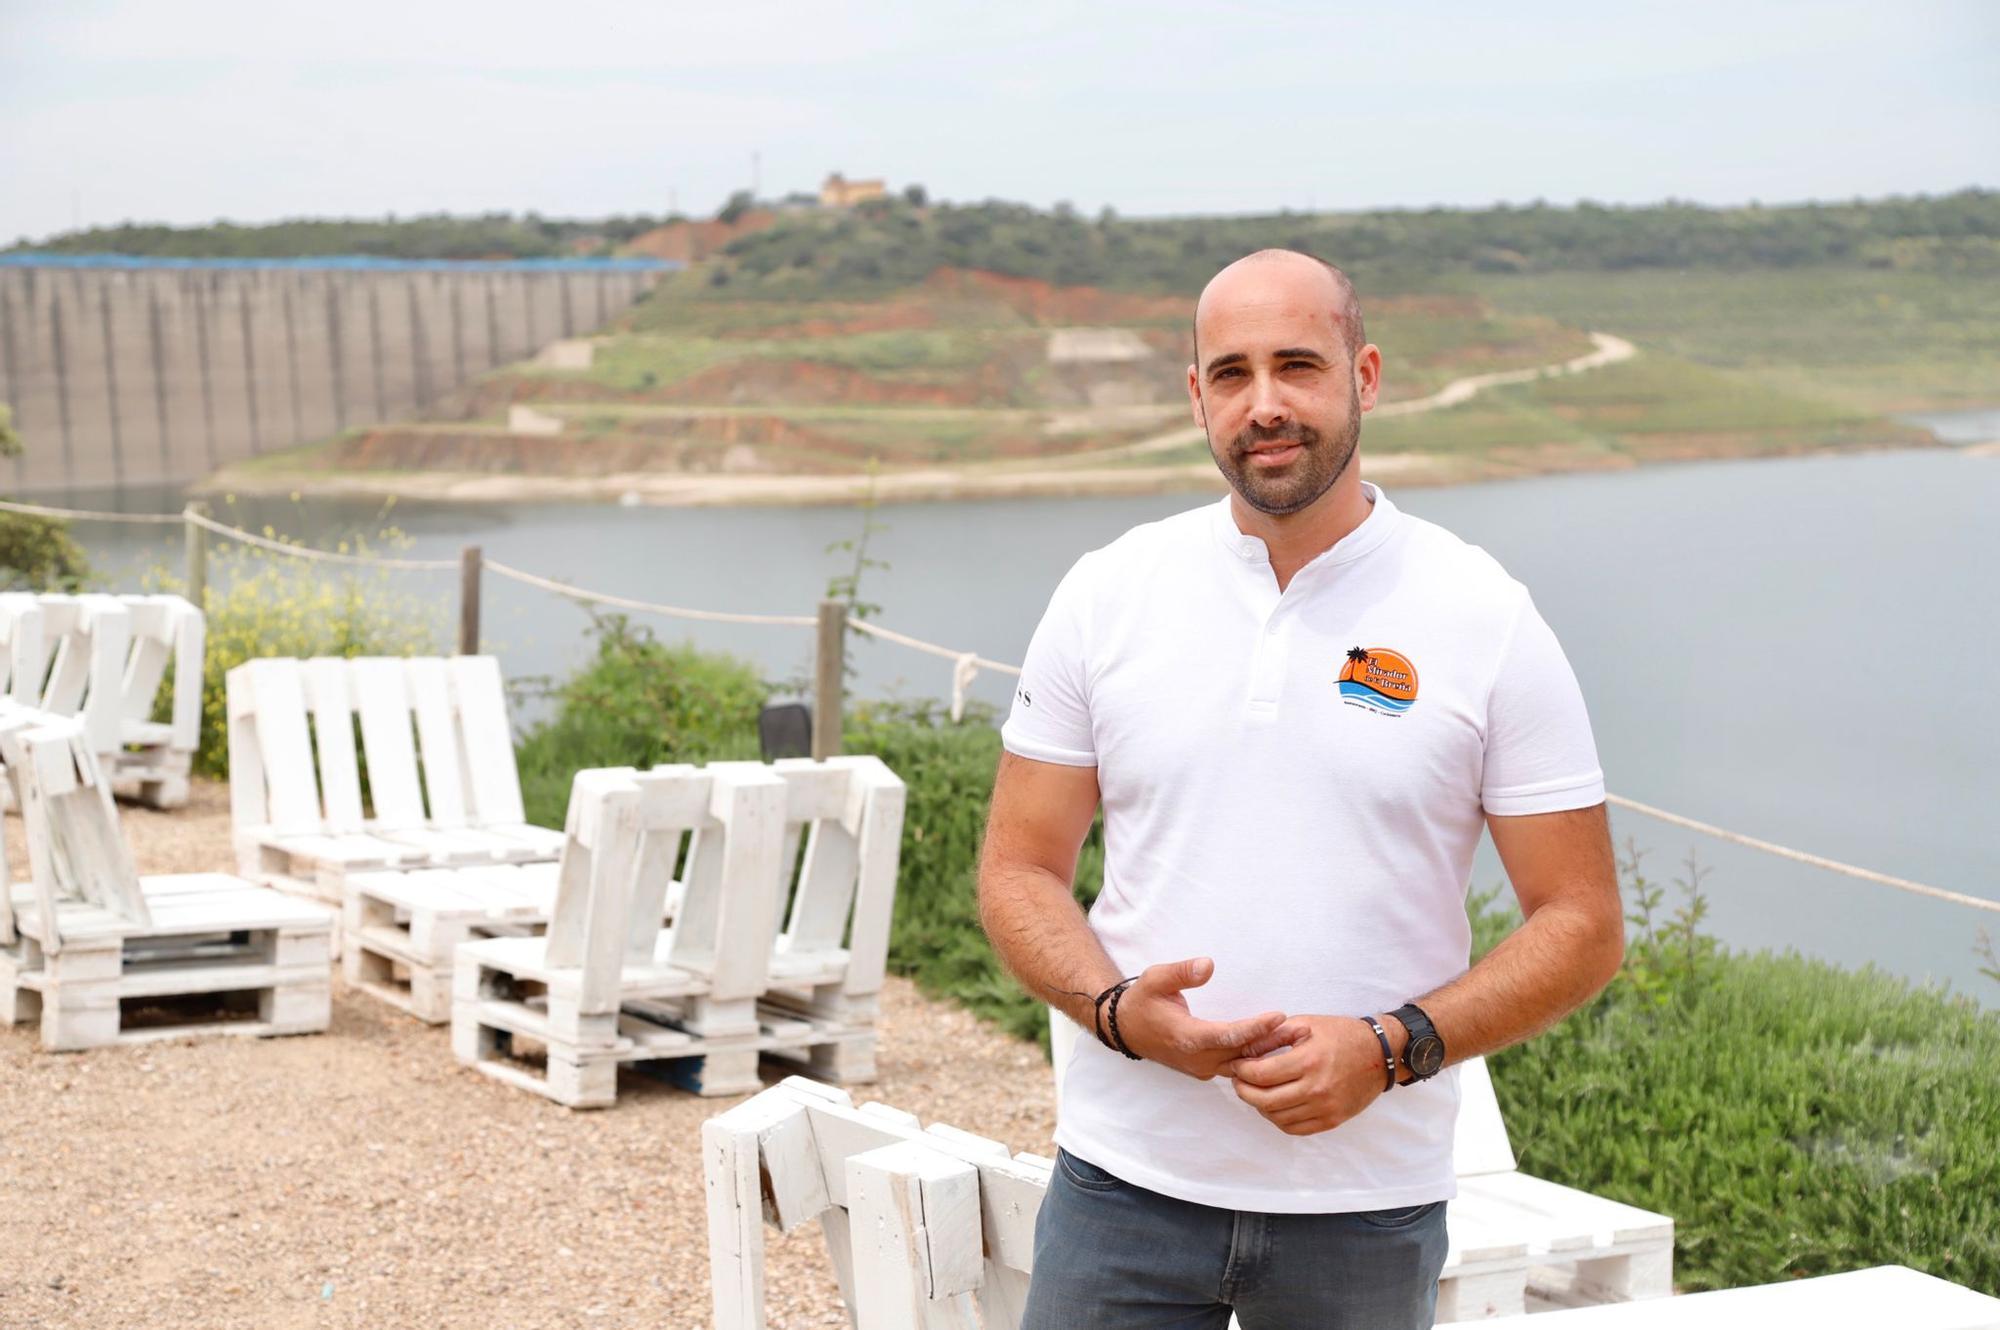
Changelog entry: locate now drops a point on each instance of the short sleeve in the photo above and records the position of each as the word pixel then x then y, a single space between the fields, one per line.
pixel 1050 720
pixel 1540 756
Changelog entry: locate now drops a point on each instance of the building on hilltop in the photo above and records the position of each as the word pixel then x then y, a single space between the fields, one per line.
pixel 840 192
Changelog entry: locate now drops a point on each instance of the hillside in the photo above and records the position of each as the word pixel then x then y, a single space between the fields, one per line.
pixel 820 350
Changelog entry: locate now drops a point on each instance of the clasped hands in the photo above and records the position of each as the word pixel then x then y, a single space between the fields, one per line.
pixel 1330 1070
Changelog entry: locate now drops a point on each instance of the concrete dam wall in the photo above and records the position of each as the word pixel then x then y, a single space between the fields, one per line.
pixel 133 372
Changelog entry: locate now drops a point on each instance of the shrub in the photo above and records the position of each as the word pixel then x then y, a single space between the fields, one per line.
pixel 38 554
pixel 637 703
pixel 262 603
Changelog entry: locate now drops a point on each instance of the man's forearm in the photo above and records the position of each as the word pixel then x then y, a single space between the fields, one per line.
pixel 1548 967
pixel 1042 937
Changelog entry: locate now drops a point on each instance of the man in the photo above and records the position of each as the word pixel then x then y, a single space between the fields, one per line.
pixel 1297 706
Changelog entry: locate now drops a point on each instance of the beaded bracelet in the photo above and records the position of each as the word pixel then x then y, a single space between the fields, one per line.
pixel 1118 1040
pixel 1097 1012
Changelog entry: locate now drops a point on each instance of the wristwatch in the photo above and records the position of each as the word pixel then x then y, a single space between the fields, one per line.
pixel 1424 1054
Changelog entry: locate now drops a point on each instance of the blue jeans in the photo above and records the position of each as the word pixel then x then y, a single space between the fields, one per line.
pixel 1113 1256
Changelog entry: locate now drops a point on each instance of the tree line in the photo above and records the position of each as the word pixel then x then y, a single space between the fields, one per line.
pixel 895 241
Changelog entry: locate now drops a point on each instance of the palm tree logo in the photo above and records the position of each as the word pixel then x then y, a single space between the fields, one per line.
pixel 1378 679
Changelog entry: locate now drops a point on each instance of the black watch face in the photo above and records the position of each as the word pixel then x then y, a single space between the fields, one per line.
pixel 1426 1055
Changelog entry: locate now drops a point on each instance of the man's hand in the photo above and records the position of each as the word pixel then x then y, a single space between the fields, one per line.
pixel 1331 1072
pixel 1154 1021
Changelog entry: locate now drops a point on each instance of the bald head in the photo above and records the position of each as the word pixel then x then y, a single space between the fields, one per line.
pixel 1286 273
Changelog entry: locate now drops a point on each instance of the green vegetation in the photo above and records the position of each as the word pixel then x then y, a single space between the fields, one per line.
pixel 495 235
pixel 262 603
pixel 888 243
pixel 1873 339
pixel 1652 406
pixel 36 553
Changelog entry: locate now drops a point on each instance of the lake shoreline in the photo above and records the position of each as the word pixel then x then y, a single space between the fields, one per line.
pixel 931 485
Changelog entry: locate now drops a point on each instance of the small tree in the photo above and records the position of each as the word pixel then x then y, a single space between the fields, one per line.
pixel 36 553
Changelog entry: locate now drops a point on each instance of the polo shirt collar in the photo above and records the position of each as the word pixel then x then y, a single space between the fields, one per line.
pixel 1381 522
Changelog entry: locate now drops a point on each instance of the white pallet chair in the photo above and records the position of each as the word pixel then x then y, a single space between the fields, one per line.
pixel 927 1228
pixel 86 934
pixel 1886 1295
pixel 1515 1239
pixel 691 990
pixel 295 788
pixel 103 658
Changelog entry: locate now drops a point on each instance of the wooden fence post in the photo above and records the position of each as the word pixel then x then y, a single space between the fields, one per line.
pixel 196 548
pixel 829 671
pixel 469 565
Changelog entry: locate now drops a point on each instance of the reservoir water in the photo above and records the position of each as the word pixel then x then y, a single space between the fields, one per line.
pixel 1805 650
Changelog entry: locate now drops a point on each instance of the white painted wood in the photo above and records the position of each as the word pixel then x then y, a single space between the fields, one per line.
pixel 416 815
pixel 913 1213
pixel 382 700
pixel 102 659
pixel 479 699
pixel 444 757
pixel 94 934
pixel 704 993
pixel 1857 1300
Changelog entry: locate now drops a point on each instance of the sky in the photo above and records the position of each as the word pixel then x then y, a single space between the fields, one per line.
pixel 116 110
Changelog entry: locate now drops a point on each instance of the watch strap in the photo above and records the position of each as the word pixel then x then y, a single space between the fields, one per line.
pixel 1419 1025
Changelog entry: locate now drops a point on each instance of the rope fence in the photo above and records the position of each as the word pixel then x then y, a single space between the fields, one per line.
pixel 832 617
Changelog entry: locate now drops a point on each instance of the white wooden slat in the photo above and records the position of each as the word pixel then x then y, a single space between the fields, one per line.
pixel 381 697
pixel 748 799
pixel 190 647
pixel 826 888
pixel 672 801
pixel 911 1210
pixel 247 806
pixel 880 849
pixel 148 620
pixel 1479 1143
pixel 278 704
pixel 479 700
pixel 731 1169
pixel 1856 1300
pixel 108 640
pixel 327 682
pixel 437 733
pixel 68 671
pixel 26 660
pixel 34 816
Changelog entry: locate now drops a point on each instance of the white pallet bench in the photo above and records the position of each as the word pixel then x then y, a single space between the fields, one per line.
pixel 1887 1295
pixel 102 659
pixel 1517 1241
pixel 724 985
pixel 99 955
pixel 925 1227
pixel 438 757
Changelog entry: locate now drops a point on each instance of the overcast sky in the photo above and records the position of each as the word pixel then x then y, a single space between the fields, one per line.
pixel 129 109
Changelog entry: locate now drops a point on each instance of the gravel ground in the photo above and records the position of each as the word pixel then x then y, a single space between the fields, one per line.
pixel 361 1178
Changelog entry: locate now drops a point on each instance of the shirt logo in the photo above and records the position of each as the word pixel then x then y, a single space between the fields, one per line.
pixel 1379 679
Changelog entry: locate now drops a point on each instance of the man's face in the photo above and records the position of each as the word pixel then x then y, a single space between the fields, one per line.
pixel 1274 387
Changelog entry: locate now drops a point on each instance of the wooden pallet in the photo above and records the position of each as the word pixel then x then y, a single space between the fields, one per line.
pixel 401 929
pixel 217 956
pixel 437 750
pixel 725 985
pixel 508 1002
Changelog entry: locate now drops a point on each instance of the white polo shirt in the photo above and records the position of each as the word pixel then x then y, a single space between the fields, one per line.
pixel 1313 833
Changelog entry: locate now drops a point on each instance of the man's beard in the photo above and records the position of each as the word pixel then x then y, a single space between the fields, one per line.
pixel 1298 485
